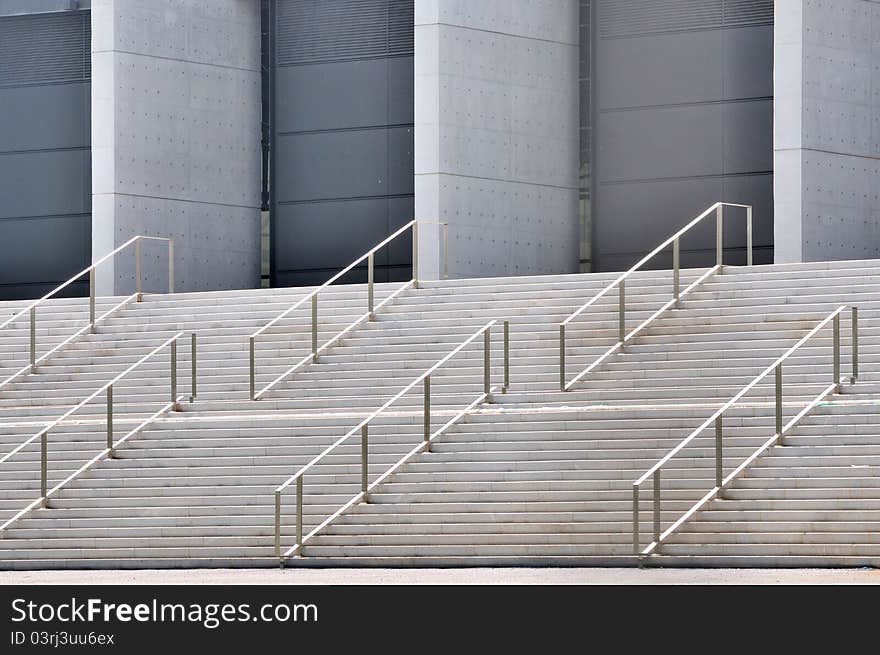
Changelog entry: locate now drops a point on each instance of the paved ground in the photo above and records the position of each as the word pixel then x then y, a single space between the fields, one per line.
pixel 449 576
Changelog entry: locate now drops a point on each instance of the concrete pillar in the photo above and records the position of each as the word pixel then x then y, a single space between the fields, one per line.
pixel 826 141
pixel 496 143
pixel 176 140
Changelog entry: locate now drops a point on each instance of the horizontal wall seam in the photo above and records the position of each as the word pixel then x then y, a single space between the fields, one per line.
pixel 574 187
pixel 685 178
pixel 318 201
pixel 195 202
pixel 680 105
pixel 181 61
pixel 27 151
pixel 332 130
pixel 573 44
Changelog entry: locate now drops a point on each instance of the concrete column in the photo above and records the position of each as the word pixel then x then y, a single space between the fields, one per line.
pixel 176 140
pixel 826 141
pixel 496 143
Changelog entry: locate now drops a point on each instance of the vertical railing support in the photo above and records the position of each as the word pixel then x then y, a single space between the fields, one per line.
pixel 92 301
pixel 299 514
pixel 749 260
pixel 138 268
pixel 719 235
pixel 719 450
pixel 506 385
pixel 836 323
pixel 110 419
pixel 415 255
pixel 855 345
pixel 33 339
pixel 370 285
pixel 621 312
pixel 635 519
pixel 426 421
pixel 277 524
pixel 676 266
pixel 251 369
pixel 44 465
pixel 365 459
pixel 445 228
pixel 192 350
pixel 315 328
pixel 778 399
pixel 657 506
pixel 174 372
pixel 170 265
pixel 487 344
pixel 562 357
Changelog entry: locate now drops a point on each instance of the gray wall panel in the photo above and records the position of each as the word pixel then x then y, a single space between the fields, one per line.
pixel 45 156
pixel 342 173
pixel 683 118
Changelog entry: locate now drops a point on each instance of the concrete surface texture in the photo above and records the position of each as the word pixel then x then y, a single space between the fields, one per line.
pixel 482 576
pixel 496 153
pixel 826 137
pixel 176 140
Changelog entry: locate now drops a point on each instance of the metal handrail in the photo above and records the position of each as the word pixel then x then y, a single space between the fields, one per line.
pixel 363 429
pixel 43 435
pixel 722 482
pixel 677 294
pixel 313 296
pixel 90 327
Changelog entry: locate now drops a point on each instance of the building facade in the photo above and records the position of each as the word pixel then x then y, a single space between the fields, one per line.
pixel 550 136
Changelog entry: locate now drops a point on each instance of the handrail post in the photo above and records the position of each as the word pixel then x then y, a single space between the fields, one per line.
pixel 779 399
pixel 657 506
pixel 174 373
pixel 506 384
pixel 427 412
pixel 719 450
pixel 676 264
pixel 92 301
pixel 415 255
pixel 315 328
pixel 44 465
pixel 487 336
pixel 621 312
pixel 836 355
pixel 445 228
pixel 277 523
pixel 110 419
pixel 33 338
pixel 855 345
pixel 749 235
pixel 719 234
pixel 251 368
pixel 299 514
pixel 170 265
pixel 562 357
pixel 138 284
pixel 364 459
pixel 635 519
pixel 192 351
pixel 370 285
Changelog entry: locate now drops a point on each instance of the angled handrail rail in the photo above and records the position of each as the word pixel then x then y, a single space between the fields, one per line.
pixel 313 297
pixel 31 308
pixel 362 428
pixel 112 444
pixel 677 293
pixel 722 482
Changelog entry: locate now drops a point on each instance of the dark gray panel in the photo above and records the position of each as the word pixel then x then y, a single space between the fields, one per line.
pixel 45 183
pixel 332 95
pixel 45 156
pixel 43 117
pixel 664 142
pixel 401 91
pixel 684 120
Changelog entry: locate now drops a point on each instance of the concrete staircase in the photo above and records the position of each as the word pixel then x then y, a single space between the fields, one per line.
pixel 538 477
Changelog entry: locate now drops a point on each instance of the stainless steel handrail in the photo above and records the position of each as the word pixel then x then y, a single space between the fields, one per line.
pixel 722 482
pixel 313 297
pixel 677 294
pixel 112 444
pixel 362 428
pixel 31 309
